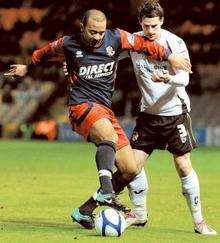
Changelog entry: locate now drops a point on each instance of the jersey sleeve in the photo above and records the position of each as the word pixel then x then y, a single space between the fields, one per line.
pixel 178 47
pixel 138 43
pixel 51 51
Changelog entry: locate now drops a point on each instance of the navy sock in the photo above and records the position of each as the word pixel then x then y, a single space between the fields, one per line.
pixel 105 159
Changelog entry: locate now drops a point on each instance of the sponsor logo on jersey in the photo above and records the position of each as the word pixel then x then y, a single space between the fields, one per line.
pixel 97 71
pixel 147 64
pixel 180 42
pixel 110 51
pixel 79 54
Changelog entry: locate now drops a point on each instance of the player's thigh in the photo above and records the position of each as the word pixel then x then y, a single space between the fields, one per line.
pixel 183 164
pixel 180 136
pixel 140 158
pixel 125 162
pixel 122 137
pixel 145 135
pixel 101 130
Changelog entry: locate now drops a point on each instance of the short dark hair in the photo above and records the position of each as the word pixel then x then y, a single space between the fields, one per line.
pixel 88 13
pixel 85 17
pixel 150 9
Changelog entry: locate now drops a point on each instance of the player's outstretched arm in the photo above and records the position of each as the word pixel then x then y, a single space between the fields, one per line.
pixel 138 43
pixel 152 48
pixel 19 70
pixel 46 53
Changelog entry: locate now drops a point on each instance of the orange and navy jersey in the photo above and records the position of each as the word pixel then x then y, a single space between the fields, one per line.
pixel 94 71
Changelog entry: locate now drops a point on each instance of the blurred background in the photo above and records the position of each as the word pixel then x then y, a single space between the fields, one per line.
pixel 35 107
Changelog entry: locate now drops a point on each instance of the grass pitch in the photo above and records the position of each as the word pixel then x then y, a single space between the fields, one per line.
pixel 41 182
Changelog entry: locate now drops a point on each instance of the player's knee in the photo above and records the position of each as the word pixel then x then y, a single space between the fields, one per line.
pixel 184 169
pixel 131 173
pixel 114 138
pixel 139 168
pixel 183 164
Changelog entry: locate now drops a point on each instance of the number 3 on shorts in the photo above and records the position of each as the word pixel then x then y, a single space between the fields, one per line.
pixel 182 131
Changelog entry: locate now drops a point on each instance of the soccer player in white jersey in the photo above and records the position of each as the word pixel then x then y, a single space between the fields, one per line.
pixel 164 121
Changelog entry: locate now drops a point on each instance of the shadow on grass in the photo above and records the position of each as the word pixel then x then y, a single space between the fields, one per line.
pixel 38 223
pixel 171 230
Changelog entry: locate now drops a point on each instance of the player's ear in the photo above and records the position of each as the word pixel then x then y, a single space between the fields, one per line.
pixel 162 20
pixel 81 26
pixel 140 21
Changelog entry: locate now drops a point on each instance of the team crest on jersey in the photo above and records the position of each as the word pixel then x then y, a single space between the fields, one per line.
pixel 110 51
pixel 135 136
pixel 180 42
pixel 79 54
pixel 131 39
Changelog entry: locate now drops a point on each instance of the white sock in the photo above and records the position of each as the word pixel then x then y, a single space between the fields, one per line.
pixel 138 194
pixel 191 191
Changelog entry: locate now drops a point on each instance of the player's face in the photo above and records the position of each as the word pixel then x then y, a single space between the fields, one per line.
pixel 94 32
pixel 151 27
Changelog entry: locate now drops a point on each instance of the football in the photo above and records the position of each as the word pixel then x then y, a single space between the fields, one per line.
pixel 109 222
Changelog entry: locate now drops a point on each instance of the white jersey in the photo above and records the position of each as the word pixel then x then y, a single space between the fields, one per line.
pixel 159 98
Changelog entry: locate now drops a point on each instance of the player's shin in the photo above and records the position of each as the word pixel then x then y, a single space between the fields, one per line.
pixel 105 158
pixel 191 191
pixel 138 189
pixel 119 182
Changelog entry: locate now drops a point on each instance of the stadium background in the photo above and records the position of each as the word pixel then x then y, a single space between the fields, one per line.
pixel 40 181
pixel 35 106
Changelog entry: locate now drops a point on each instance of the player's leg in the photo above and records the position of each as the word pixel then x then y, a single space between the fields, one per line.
pixel 126 164
pixel 101 132
pixel 104 136
pixel 191 191
pixel 125 161
pixel 190 184
pixel 180 144
pixel 143 141
pixel 98 127
pixel 138 190
pixel 127 168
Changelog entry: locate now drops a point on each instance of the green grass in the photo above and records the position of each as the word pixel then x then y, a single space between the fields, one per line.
pixel 40 183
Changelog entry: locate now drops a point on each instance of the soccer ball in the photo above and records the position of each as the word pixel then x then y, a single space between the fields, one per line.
pixel 109 222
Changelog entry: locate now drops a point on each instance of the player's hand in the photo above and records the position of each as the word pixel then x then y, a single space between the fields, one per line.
pixel 163 76
pixel 179 62
pixel 17 70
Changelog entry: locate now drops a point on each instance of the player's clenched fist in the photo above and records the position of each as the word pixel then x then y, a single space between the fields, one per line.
pixel 17 70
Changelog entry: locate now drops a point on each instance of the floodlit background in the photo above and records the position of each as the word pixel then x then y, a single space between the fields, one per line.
pixel 41 182
pixel 27 24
